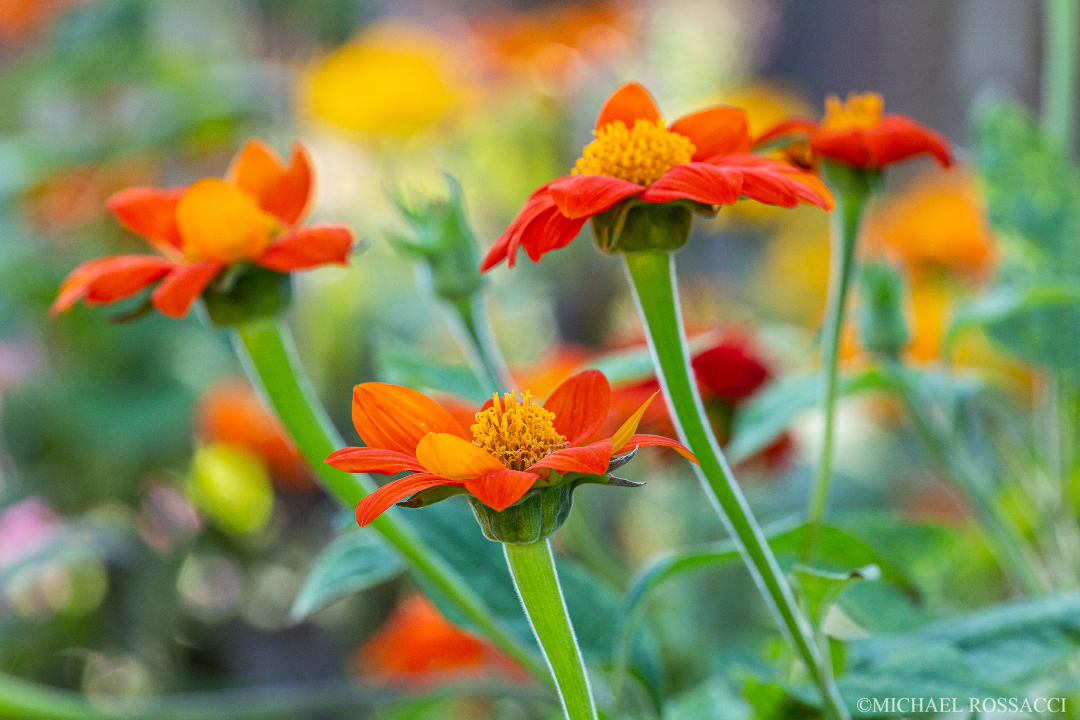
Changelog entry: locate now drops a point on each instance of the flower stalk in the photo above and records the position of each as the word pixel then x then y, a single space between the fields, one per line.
pixel 269 357
pixel 468 321
pixel 532 568
pixel 652 279
pixel 851 188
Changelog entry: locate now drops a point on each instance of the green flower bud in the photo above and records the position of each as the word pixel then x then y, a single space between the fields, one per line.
pixel 881 313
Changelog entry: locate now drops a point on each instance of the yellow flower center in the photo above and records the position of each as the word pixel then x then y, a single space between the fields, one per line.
pixel 858 111
pixel 640 155
pixel 517 432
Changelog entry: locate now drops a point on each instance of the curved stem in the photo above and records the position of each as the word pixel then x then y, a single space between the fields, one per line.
pixel 533 570
pixel 468 321
pixel 1059 73
pixel 268 355
pixel 652 278
pixel 851 190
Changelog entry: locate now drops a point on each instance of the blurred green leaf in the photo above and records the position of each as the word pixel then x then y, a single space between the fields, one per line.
pixel 711 700
pixel 355 561
pixel 822 587
pixel 402 365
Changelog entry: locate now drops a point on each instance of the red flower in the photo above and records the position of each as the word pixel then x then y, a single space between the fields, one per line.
pixel 513 444
pixel 856 133
pixel 701 158
pixel 201 229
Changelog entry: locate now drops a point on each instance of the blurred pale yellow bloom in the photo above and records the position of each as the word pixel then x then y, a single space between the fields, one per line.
pixel 793 278
pixel 393 80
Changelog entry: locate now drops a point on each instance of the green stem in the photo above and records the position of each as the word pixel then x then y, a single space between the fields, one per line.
pixel 652 278
pixel 1061 18
pixel 269 356
pixel 468 321
pixel 532 567
pixel 851 189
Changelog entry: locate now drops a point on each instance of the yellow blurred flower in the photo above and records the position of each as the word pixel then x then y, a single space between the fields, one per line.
pixel 794 275
pixel 231 485
pixel 936 224
pixel 392 80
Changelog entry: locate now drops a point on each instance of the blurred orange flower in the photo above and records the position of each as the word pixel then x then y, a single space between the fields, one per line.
pixel 936 224
pixel 20 18
pixel 856 132
pixel 231 412
pixel 416 642
pixel 201 229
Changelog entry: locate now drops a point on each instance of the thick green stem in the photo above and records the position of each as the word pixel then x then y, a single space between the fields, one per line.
pixel 533 569
pixel 468 321
pixel 269 357
pixel 851 189
pixel 1061 18
pixel 652 277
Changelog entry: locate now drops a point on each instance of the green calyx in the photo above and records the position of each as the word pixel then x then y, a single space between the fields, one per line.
pixel 844 179
pixel 880 313
pixel 633 226
pixel 245 292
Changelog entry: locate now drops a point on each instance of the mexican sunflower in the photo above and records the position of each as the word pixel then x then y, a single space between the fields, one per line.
pixel 197 231
pixel 700 161
pixel 513 446
pixel 856 133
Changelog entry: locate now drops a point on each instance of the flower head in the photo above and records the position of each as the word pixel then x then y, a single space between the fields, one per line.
pixel 698 162
pixel 514 445
pixel 197 231
pixel 857 132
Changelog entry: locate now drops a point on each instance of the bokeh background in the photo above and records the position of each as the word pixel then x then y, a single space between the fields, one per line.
pixel 157 529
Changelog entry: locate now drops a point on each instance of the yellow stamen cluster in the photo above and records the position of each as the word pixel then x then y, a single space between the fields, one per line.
pixel 517 432
pixel 640 155
pixel 858 111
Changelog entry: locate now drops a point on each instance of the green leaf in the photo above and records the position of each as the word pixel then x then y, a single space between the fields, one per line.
pixel 822 587
pixel 355 561
pixel 401 365
pixel 771 410
pixel 713 699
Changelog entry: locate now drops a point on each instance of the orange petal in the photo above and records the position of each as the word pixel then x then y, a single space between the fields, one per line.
pixel 661 441
pixel 308 247
pixel 376 460
pixel 395 418
pixel 175 295
pixel 378 502
pixel 220 222
pixel 592 459
pixel 108 279
pixel 580 405
pixel 620 438
pixel 149 212
pixel 501 488
pixel 715 131
pixel 629 103
pixel 281 191
pixel 454 457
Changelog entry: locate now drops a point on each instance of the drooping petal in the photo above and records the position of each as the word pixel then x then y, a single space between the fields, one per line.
pixel 148 212
pixel 898 137
pixel 505 248
pixel 281 191
pixel 846 146
pixel 661 441
pixel 778 183
pixel 702 182
pixel 218 221
pixel 108 279
pixel 454 457
pixel 376 460
pixel 715 131
pixel 629 102
pixel 393 417
pixel 501 488
pixel 592 459
pixel 628 428
pixel 550 231
pixel 176 293
pixel 378 502
pixel 308 247
pixel 582 196
pixel 797 128
pixel 580 405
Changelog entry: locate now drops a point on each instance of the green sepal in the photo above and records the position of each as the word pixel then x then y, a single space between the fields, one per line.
pixel 850 179
pixel 432 495
pixel 633 225
pixel 535 517
pixel 244 292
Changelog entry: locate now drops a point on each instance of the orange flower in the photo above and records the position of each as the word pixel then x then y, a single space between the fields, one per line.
pixel 513 446
pixel 416 641
pixel 199 230
pixel 701 159
pixel 857 133
pixel 231 412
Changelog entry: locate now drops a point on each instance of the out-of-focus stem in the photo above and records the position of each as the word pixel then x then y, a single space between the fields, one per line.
pixel 533 569
pixel 468 321
pixel 1061 18
pixel 652 279
pixel 269 356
